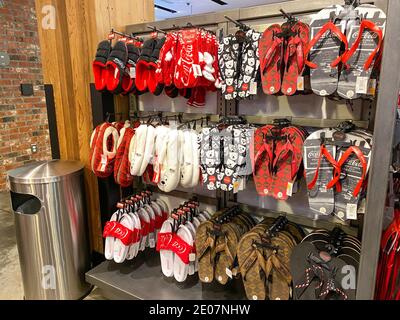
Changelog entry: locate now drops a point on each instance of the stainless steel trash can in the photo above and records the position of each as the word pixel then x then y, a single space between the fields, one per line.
pixel 52 237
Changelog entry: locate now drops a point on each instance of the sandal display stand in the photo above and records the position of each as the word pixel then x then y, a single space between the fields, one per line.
pixel 142 278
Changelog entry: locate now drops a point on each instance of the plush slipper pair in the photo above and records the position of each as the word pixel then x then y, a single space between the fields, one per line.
pixel 324 266
pixel 103 149
pixel 133 228
pixel 264 257
pixel 345 45
pixel 176 241
pixel 141 149
pixel 282 56
pixel 216 244
pixel 277 159
pixel 146 78
pixel 114 68
pixel 336 165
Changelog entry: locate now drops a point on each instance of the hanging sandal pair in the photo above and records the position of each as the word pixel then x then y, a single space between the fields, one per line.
pixel 343 49
pixel 277 158
pixel 263 258
pixel 336 165
pixel 216 244
pixel 282 56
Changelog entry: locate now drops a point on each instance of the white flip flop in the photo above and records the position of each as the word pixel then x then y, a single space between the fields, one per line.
pixel 120 249
pixel 133 248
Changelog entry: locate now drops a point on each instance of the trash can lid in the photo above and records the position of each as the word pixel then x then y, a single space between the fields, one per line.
pixel 44 171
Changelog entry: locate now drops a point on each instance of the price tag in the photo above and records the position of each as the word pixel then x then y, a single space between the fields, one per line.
pixel 372 87
pixel 116 73
pixel 196 70
pixel 300 83
pixel 192 257
pixel 132 72
pixel 236 186
pixel 289 189
pixel 362 85
pixel 351 211
pixel 361 207
pixel 253 87
pixel 229 273
pixel 152 243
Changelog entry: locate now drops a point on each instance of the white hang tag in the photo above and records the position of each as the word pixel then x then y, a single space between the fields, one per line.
pixel 116 73
pixel 253 87
pixel 192 257
pixel 289 189
pixel 229 273
pixel 300 83
pixel 132 72
pixel 103 163
pixel 196 70
pixel 362 85
pixel 371 87
pixel 152 242
pixel 362 205
pixel 351 211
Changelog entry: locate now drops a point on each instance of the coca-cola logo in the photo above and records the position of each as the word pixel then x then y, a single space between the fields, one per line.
pixel 313 155
pixel 354 163
pixel 229 89
pixel 365 35
pixel 245 86
pixel 165 239
pixel 178 248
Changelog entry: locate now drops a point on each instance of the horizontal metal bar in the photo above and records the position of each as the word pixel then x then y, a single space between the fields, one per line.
pixel 185 116
pixel 185 195
pixel 328 222
pixel 306 122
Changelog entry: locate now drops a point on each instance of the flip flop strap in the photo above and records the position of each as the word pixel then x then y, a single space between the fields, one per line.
pixel 364 164
pixel 208 244
pixel 283 154
pixel 248 263
pixel 265 148
pixel 324 152
pixel 312 272
pixel 365 24
pixel 273 262
pixel 224 247
pixel 329 26
pixel 267 58
pixel 295 45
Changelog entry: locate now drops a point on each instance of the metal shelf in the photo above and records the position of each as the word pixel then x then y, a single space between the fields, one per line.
pixel 142 279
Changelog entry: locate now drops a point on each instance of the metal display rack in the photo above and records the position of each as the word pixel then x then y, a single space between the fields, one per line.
pixel 305 110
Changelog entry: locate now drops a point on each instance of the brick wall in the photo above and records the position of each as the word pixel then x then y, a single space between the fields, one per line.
pixel 23 119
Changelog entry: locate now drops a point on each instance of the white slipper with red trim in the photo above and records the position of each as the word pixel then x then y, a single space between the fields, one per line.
pixel 109 242
pixel 167 256
pixel 181 269
pixel 120 249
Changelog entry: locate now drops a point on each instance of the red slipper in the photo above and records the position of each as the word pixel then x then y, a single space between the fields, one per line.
pixel 99 65
pixel 270 51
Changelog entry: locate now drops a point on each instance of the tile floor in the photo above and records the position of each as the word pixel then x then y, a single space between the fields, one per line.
pixel 10 274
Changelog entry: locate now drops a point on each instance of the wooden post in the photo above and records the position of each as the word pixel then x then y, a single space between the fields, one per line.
pixel 67 52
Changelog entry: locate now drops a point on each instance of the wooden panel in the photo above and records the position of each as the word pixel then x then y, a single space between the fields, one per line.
pixel 67 54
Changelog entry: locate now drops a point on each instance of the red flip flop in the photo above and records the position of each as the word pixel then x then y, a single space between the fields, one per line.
pixel 270 51
pixel 294 56
pixel 262 160
pixel 288 156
